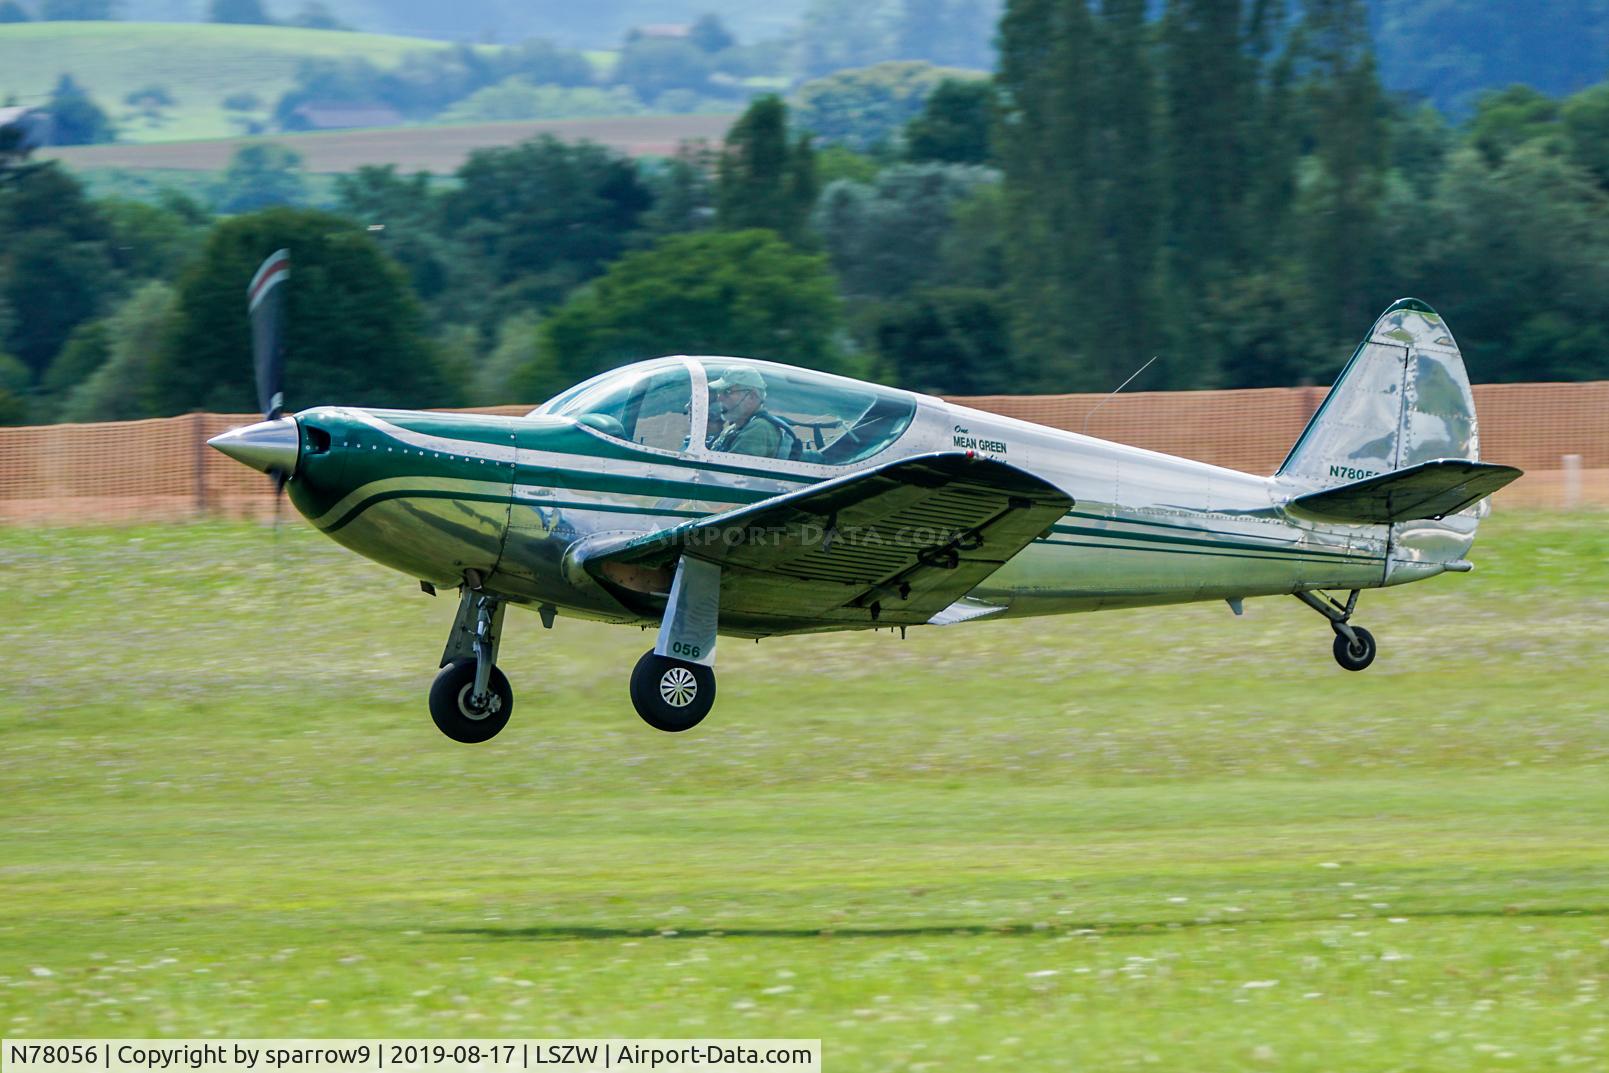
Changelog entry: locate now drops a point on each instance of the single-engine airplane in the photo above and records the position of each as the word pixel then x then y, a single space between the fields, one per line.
pixel 714 496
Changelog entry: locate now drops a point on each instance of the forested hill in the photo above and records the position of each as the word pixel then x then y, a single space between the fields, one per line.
pixel 1451 50
pixel 1447 50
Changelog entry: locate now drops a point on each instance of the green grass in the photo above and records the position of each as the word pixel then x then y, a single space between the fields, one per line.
pixel 1167 839
pixel 199 63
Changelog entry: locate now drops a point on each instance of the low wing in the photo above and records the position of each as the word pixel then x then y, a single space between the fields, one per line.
pixel 1428 490
pixel 895 545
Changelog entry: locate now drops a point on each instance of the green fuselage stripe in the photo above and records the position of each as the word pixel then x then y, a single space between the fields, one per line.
pixel 573 480
pixel 412 493
pixel 1280 557
pixel 1239 545
pixel 613 508
pixel 1110 540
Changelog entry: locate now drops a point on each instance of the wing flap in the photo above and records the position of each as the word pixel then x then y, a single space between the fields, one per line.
pixel 905 540
pixel 1428 490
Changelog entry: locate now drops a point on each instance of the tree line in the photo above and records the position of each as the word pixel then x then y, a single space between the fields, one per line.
pixel 1227 187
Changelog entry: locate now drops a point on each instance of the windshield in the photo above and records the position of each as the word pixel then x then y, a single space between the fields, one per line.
pixel 646 406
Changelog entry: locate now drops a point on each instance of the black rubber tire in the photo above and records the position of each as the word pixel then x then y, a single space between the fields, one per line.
pixel 449 703
pixel 660 702
pixel 1355 659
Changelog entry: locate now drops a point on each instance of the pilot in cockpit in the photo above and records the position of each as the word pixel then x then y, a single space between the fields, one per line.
pixel 750 428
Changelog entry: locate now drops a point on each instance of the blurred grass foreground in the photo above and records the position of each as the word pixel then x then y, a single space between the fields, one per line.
pixel 1167 839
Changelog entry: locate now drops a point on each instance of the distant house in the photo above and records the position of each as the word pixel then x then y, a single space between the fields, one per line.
pixel 22 130
pixel 336 115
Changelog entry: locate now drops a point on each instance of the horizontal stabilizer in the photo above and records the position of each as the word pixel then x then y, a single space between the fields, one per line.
pixel 1428 490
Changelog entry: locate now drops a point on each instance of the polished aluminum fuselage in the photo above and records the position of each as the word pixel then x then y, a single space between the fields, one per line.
pixel 522 501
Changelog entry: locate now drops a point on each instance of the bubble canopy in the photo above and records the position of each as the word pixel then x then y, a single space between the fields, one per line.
pixel 819 418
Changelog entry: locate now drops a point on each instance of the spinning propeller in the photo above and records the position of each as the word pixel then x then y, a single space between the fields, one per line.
pixel 273 444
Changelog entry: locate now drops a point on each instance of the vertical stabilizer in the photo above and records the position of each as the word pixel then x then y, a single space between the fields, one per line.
pixel 1403 399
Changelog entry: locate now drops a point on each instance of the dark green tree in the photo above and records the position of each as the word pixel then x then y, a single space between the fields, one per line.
pixel 543 216
pixel 709 34
pixel 955 123
pixel 764 180
pixel 885 238
pixel 152 241
pixel 1349 137
pixel 973 253
pixel 86 350
pixel 259 175
pixel 354 333
pixel 1420 140
pixel 1121 266
pixel 947 340
pixel 866 108
pixel 241 12
pixel 1210 82
pixel 1526 305
pixel 742 292
pixel 1508 118
pixel 1227 143
pixel 684 191
pixel 75 119
pixel 654 65
pixel 316 16
pixel 13 408
pixel 11 11
pixel 402 213
pixel 1586 124
pixel 135 332
pixel 1047 82
pixel 55 265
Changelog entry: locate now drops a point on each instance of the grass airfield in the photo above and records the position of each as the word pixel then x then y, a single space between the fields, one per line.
pixel 1167 838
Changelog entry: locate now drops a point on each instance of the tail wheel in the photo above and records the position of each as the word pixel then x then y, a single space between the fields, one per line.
pixel 455 710
pixel 671 694
pixel 1355 655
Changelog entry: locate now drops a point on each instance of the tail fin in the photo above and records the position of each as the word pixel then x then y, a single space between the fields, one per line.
pixel 1403 399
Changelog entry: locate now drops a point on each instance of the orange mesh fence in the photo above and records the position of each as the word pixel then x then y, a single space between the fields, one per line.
pixel 162 470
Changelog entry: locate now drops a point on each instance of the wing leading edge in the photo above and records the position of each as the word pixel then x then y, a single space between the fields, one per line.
pixel 895 545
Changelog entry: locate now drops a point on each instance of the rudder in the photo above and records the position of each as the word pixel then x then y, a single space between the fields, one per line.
pixel 1403 399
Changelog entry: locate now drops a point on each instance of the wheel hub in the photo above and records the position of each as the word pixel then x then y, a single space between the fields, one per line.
pixel 489 706
pixel 677 687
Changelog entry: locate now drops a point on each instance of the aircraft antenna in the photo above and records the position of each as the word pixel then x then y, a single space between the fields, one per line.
pixel 1120 387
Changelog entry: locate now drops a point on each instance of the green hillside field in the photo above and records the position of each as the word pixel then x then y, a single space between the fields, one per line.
pixel 1164 839
pixel 198 63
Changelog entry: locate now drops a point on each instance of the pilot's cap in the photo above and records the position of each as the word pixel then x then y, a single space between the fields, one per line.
pixel 740 376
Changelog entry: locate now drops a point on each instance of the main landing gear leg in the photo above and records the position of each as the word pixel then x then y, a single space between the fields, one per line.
pixel 471 700
pixel 1354 646
pixel 673 687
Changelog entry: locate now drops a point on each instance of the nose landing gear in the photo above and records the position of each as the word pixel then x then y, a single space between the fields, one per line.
pixel 465 714
pixel 471 699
